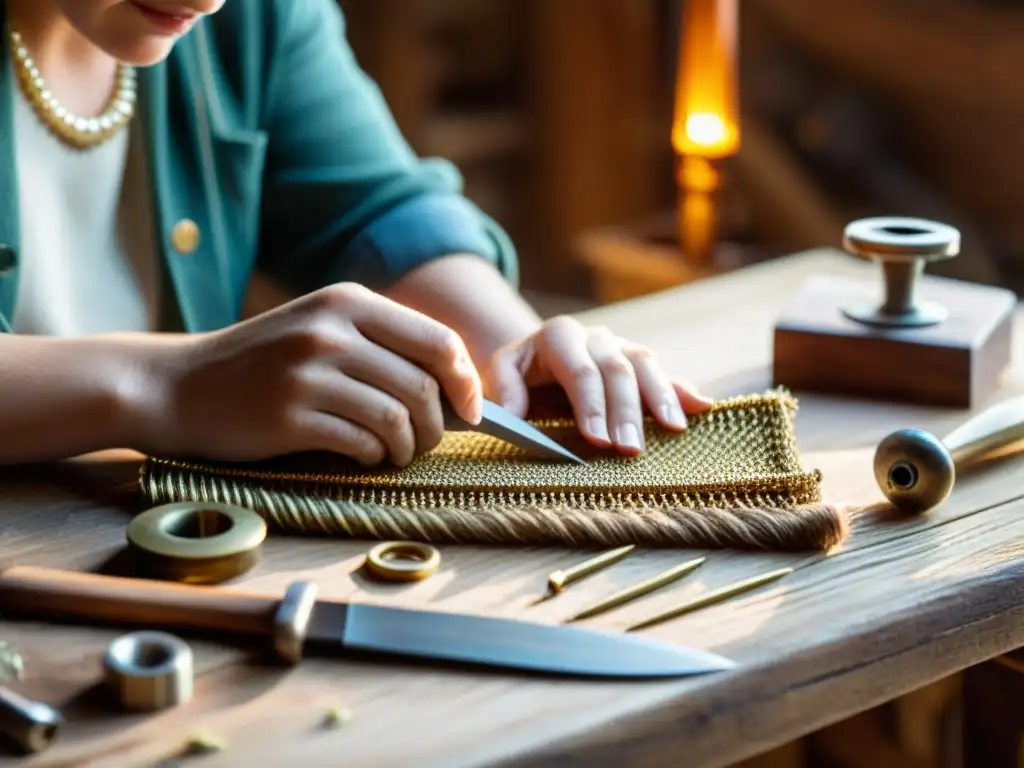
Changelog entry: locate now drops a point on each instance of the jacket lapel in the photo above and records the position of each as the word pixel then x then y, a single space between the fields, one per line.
pixel 10 230
pixel 184 181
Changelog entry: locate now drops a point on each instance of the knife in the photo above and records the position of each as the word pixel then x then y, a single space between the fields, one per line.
pixel 298 623
pixel 504 425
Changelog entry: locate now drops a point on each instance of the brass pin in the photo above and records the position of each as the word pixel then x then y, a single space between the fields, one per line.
pixel 560 579
pixel 639 589
pixel 711 598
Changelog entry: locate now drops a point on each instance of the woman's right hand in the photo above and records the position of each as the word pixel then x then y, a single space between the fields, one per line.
pixel 342 369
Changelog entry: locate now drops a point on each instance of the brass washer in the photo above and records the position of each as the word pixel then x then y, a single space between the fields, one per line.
pixel 227 543
pixel 408 561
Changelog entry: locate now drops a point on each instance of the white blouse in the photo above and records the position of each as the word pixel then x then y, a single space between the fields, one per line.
pixel 88 258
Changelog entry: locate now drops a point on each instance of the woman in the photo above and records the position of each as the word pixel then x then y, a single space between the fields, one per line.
pixel 160 151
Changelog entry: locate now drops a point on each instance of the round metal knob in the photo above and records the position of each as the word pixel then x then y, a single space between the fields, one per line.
pixel 902 246
pixel 914 470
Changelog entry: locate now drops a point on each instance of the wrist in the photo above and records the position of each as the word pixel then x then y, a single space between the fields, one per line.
pixel 142 394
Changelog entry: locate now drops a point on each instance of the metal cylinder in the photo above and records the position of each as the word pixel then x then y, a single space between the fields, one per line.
pixel 31 725
pixel 149 671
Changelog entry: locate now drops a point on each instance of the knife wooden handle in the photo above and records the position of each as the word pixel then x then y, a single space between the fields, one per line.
pixel 43 593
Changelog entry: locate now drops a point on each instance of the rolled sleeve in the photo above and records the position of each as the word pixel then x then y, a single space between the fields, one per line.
pixel 345 198
pixel 417 231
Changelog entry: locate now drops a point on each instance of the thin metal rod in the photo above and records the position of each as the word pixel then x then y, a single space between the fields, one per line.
pixel 639 589
pixel 560 579
pixel 718 596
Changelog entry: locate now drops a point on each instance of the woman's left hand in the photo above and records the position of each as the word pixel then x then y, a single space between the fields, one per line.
pixel 607 379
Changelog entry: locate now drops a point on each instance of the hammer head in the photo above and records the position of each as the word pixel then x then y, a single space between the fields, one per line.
pixel 914 470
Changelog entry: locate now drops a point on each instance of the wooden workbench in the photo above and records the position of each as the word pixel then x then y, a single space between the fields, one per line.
pixel 905 602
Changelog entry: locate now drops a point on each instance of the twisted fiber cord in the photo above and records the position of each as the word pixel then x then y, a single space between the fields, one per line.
pixel 794 528
pixel 733 479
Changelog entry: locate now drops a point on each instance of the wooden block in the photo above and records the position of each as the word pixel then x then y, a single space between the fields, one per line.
pixel 956 363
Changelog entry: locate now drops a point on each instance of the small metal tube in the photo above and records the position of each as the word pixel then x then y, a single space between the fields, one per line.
pixel 31 725
pixel 149 671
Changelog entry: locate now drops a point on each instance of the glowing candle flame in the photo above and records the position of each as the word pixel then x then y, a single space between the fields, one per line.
pixel 706 120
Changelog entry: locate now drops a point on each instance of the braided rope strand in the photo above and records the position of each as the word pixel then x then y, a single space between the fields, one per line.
pixel 731 480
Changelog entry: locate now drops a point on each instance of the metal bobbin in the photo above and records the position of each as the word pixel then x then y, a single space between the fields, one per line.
pixel 196 542
pixel 902 246
pixel 149 671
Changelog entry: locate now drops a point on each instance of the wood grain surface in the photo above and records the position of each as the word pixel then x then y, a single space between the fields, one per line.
pixel 904 603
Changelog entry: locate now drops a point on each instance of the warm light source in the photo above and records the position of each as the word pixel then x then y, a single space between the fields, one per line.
pixel 706 124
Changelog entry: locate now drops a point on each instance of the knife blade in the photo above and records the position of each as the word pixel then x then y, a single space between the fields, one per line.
pixel 334 627
pixel 504 425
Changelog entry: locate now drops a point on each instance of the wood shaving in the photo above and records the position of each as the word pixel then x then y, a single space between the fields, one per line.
pixel 12 665
pixel 203 744
pixel 337 717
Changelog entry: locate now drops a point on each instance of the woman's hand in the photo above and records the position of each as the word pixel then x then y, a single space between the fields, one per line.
pixel 608 381
pixel 342 369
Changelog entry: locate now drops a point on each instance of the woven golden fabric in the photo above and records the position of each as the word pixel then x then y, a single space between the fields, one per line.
pixel 732 479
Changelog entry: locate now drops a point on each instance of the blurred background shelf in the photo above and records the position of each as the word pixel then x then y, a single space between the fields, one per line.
pixel 558 112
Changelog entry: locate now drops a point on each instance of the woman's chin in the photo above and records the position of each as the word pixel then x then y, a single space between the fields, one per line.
pixel 145 52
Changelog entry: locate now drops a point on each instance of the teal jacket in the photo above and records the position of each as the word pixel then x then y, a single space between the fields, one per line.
pixel 264 132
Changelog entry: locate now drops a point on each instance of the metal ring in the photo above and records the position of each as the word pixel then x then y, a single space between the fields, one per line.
pixel 197 543
pixel 893 238
pixel 419 561
pixel 148 671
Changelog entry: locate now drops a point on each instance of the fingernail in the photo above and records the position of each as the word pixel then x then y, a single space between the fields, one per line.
pixel 674 415
pixel 628 436
pixel 597 428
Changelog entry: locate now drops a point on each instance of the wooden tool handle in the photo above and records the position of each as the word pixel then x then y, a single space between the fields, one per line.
pixel 49 593
pixel 995 428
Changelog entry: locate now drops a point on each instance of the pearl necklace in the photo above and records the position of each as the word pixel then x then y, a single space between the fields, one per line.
pixel 79 132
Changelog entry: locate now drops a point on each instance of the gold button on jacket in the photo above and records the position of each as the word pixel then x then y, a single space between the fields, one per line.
pixel 185 236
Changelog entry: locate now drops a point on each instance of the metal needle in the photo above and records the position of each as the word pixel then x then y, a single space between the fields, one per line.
pixel 711 598
pixel 639 589
pixel 560 579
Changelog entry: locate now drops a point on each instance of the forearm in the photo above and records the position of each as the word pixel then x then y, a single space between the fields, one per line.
pixel 470 296
pixel 66 397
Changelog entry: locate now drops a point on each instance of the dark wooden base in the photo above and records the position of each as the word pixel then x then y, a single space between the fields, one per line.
pixel 957 363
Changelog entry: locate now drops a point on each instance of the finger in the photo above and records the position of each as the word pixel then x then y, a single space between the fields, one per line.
pixel 372 409
pixel 319 431
pixel 656 389
pixel 564 346
pixel 424 341
pixel 690 398
pixel 504 382
pixel 416 389
pixel 622 393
